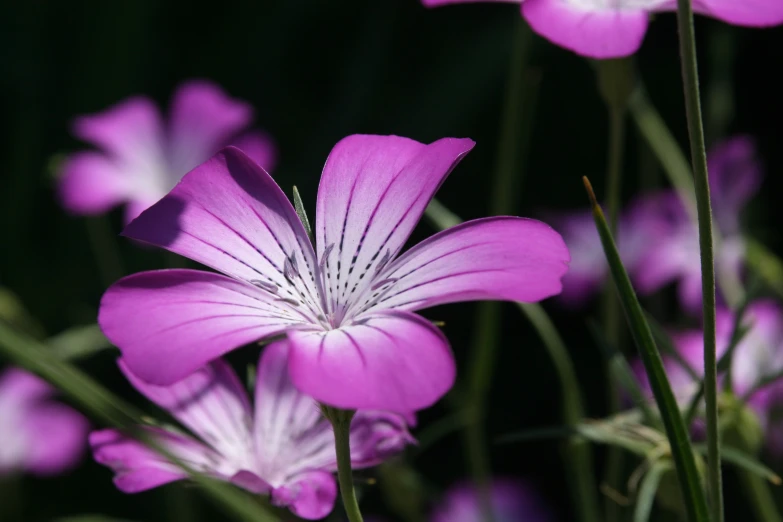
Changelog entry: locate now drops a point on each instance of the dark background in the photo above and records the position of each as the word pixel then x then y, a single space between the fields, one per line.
pixel 317 71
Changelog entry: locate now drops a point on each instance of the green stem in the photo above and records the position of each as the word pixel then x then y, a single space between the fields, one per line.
pixel 578 456
pixel 699 164
pixel 341 422
pixel 485 343
pixel 615 79
pixel 757 490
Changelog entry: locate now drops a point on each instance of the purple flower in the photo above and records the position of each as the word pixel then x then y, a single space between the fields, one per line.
pixel 758 355
pixel 141 158
pixel 346 306
pixel 512 501
pixel 588 268
pixel 735 176
pixel 616 28
pixel 281 446
pixel 39 435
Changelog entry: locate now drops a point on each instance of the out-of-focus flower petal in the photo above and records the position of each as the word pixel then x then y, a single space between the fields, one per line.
pixel 203 119
pixel 92 183
pixel 735 177
pixel 597 32
pixel 259 147
pixel 753 13
pixel 138 468
pixel 56 438
pixel 211 402
pixel 512 501
pixel 310 495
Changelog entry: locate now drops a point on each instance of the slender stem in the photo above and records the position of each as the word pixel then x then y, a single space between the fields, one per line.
pixel 757 490
pixel 341 422
pixel 578 456
pixel 485 343
pixel 614 79
pixel 690 77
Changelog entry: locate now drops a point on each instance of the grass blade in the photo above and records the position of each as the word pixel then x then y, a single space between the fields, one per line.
pixel 693 493
pixel 646 497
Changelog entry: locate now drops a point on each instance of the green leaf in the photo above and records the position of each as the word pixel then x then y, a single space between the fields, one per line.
pixel 78 342
pixel 112 410
pixel 743 461
pixel 622 373
pixel 679 439
pixel 770 267
pixel 648 489
pixel 300 211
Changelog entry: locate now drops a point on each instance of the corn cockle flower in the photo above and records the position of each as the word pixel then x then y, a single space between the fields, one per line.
pixel 281 446
pixel 757 357
pixel 735 177
pixel 588 269
pixel 512 501
pixel 346 307
pixel 141 157
pixel 38 435
pixel 616 28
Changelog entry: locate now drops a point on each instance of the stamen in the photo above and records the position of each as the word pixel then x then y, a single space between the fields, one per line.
pixel 263 285
pixel 384 260
pixel 382 282
pixel 290 268
pixel 289 300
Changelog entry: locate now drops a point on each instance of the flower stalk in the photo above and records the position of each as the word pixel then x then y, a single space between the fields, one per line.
pixel 704 212
pixel 341 422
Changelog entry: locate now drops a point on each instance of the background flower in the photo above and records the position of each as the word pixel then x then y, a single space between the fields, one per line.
pixel 282 446
pixel 140 157
pixel 512 501
pixel 616 28
pixel 37 434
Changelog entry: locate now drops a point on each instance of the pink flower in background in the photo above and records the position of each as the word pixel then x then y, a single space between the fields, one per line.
pixel 589 269
pixel 281 446
pixel 37 434
pixel 346 306
pixel 141 156
pixel 616 28
pixel 735 176
pixel 512 501
pixel 758 356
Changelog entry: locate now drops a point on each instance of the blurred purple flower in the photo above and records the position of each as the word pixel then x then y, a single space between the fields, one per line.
pixel 588 268
pixel 283 446
pixel 347 305
pixel 758 356
pixel 735 176
pixel 616 28
pixel 141 157
pixel 39 436
pixel 512 501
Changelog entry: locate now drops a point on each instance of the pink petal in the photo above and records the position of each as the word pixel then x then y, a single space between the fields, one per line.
pixel 92 183
pixel 507 258
pixel 129 129
pixel 203 119
pixel 138 468
pixel 259 147
pixel 598 32
pixel 392 360
pixel 735 177
pixel 293 437
pixel 310 495
pixel 229 214
pixel 169 323
pixel 21 387
pixel 753 13
pixel 56 438
pixel 212 403
pixel 372 194
pixel 511 499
